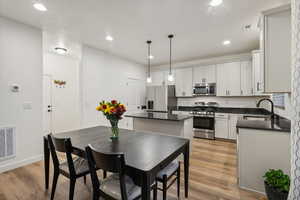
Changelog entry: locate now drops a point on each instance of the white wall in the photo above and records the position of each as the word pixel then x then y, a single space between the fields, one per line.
pixel 65 101
pixel 104 77
pixel 21 63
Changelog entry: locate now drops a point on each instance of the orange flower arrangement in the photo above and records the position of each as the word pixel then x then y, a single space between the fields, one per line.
pixel 113 111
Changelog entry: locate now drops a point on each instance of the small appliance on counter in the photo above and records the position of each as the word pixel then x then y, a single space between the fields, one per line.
pixel 161 98
pixel 204 89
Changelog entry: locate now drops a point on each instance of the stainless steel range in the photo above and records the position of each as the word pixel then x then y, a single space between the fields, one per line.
pixel 204 121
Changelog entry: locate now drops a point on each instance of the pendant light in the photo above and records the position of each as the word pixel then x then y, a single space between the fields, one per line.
pixel 149 79
pixel 170 75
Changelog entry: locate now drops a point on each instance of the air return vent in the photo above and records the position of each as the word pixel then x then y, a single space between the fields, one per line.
pixel 7 143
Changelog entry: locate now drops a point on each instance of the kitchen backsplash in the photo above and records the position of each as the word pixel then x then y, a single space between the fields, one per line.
pixel 222 101
pixel 249 102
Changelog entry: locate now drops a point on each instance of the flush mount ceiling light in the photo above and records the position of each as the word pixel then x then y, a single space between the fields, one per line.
pixel 215 3
pixel 109 38
pixel 60 50
pixel 149 79
pixel 227 42
pixel 39 6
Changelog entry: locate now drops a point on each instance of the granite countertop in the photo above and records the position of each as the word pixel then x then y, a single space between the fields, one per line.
pixel 159 116
pixel 278 124
pixel 233 110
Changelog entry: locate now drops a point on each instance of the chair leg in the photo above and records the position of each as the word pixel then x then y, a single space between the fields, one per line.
pixel 155 191
pixel 72 188
pixel 96 196
pixel 165 182
pixel 84 179
pixel 178 182
pixel 54 183
pixel 104 174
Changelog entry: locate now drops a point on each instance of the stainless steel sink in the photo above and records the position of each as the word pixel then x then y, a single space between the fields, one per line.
pixel 257 117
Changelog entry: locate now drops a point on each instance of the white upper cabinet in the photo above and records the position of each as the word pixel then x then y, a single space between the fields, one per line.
pixel 184 82
pixel 204 74
pixel 277 49
pixel 257 72
pixel 246 78
pixel 222 88
pixel 158 78
pixel 229 79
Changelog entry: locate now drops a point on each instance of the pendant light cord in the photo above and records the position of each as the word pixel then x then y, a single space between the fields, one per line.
pixel 170 69
pixel 149 43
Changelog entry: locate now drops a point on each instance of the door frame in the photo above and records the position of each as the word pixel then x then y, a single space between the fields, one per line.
pixel 50 77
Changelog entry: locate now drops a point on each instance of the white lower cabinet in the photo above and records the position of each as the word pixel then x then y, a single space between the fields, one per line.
pixel 225 125
pixel 221 125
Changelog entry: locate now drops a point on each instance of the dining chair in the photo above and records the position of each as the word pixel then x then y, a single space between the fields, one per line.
pixel 116 186
pixel 72 168
pixel 164 176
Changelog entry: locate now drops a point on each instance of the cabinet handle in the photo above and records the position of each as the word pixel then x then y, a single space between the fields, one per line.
pixel 228 92
pixel 251 90
pixel 241 92
pixel 257 86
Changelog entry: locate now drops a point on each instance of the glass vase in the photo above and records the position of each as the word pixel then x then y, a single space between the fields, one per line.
pixel 114 129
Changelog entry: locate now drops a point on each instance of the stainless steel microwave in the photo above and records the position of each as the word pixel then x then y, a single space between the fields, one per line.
pixel 204 89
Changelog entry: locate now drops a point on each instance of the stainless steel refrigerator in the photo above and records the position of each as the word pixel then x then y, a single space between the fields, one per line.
pixel 161 98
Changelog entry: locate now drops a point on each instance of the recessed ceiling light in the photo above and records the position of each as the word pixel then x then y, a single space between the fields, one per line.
pixel 151 57
pixel 39 6
pixel 60 50
pixel 109 38
pixel 227 42
pixel 215 3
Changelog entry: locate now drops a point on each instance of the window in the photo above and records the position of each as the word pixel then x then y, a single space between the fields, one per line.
pixel 278 100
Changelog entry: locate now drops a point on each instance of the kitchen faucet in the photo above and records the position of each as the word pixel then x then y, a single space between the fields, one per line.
pixel 272 106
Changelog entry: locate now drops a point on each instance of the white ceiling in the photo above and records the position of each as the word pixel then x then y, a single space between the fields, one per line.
pixel 199 29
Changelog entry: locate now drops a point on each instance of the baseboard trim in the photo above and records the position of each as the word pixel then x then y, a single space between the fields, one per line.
pixel 14 165
pixel 252 190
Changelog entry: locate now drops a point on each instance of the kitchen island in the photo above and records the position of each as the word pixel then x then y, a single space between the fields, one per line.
pixel 262 145
pixel 163 123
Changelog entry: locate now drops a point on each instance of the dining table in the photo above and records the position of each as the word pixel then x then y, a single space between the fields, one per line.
pixel 146 153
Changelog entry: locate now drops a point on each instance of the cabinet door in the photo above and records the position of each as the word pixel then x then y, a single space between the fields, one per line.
pixel 233 78
pixel 232 126
pixel 277 51
pixel 210 73
pixel 184 82
pixel 221 128
pixel 158 78
pixel 221 80
pixel 257 72
pixel 246 78
pixel 199 75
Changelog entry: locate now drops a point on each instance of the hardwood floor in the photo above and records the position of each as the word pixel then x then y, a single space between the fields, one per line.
pixel 213 175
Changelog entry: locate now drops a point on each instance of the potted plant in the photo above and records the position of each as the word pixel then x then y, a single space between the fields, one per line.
pixel 277 184
pixel 113 111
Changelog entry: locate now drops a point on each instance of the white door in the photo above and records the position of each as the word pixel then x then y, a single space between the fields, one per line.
pixel 47 104
pixel 246 78
pixel 134 99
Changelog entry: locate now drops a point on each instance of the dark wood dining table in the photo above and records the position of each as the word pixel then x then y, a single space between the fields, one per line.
pixel 145 153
